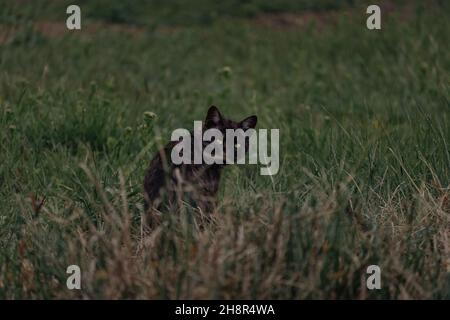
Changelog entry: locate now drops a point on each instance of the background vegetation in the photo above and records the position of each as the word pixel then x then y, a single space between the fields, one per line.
pixel 365 159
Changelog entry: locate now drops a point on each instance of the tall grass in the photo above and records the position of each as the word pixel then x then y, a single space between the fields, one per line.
pixel 364 176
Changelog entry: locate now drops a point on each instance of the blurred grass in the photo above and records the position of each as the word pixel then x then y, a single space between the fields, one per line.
pixel 174 12
pixel 364 177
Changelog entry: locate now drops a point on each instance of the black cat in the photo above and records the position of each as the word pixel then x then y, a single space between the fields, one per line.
pixel 167 183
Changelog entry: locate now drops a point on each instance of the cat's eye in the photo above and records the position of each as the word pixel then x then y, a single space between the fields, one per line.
pixel 237 145
pixel 219 141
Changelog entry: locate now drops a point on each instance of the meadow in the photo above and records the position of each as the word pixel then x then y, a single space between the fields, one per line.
pixel 364 119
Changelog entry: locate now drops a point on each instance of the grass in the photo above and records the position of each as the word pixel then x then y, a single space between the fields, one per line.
pixel 364 123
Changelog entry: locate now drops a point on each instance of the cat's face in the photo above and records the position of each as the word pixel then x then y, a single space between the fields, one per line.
pixel 214 119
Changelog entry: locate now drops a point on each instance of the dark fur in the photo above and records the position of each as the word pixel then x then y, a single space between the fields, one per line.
pixel 198 184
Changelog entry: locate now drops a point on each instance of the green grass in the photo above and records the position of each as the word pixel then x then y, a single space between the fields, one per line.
pixel 154 12
pixel 364 123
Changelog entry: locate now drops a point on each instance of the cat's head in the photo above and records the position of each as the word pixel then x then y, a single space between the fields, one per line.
pixel 214 119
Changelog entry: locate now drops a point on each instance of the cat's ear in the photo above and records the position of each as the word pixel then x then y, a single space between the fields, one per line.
pixel 213 117
pixel 249 123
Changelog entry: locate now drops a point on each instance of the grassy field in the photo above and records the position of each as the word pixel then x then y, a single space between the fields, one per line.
pixel 364 119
